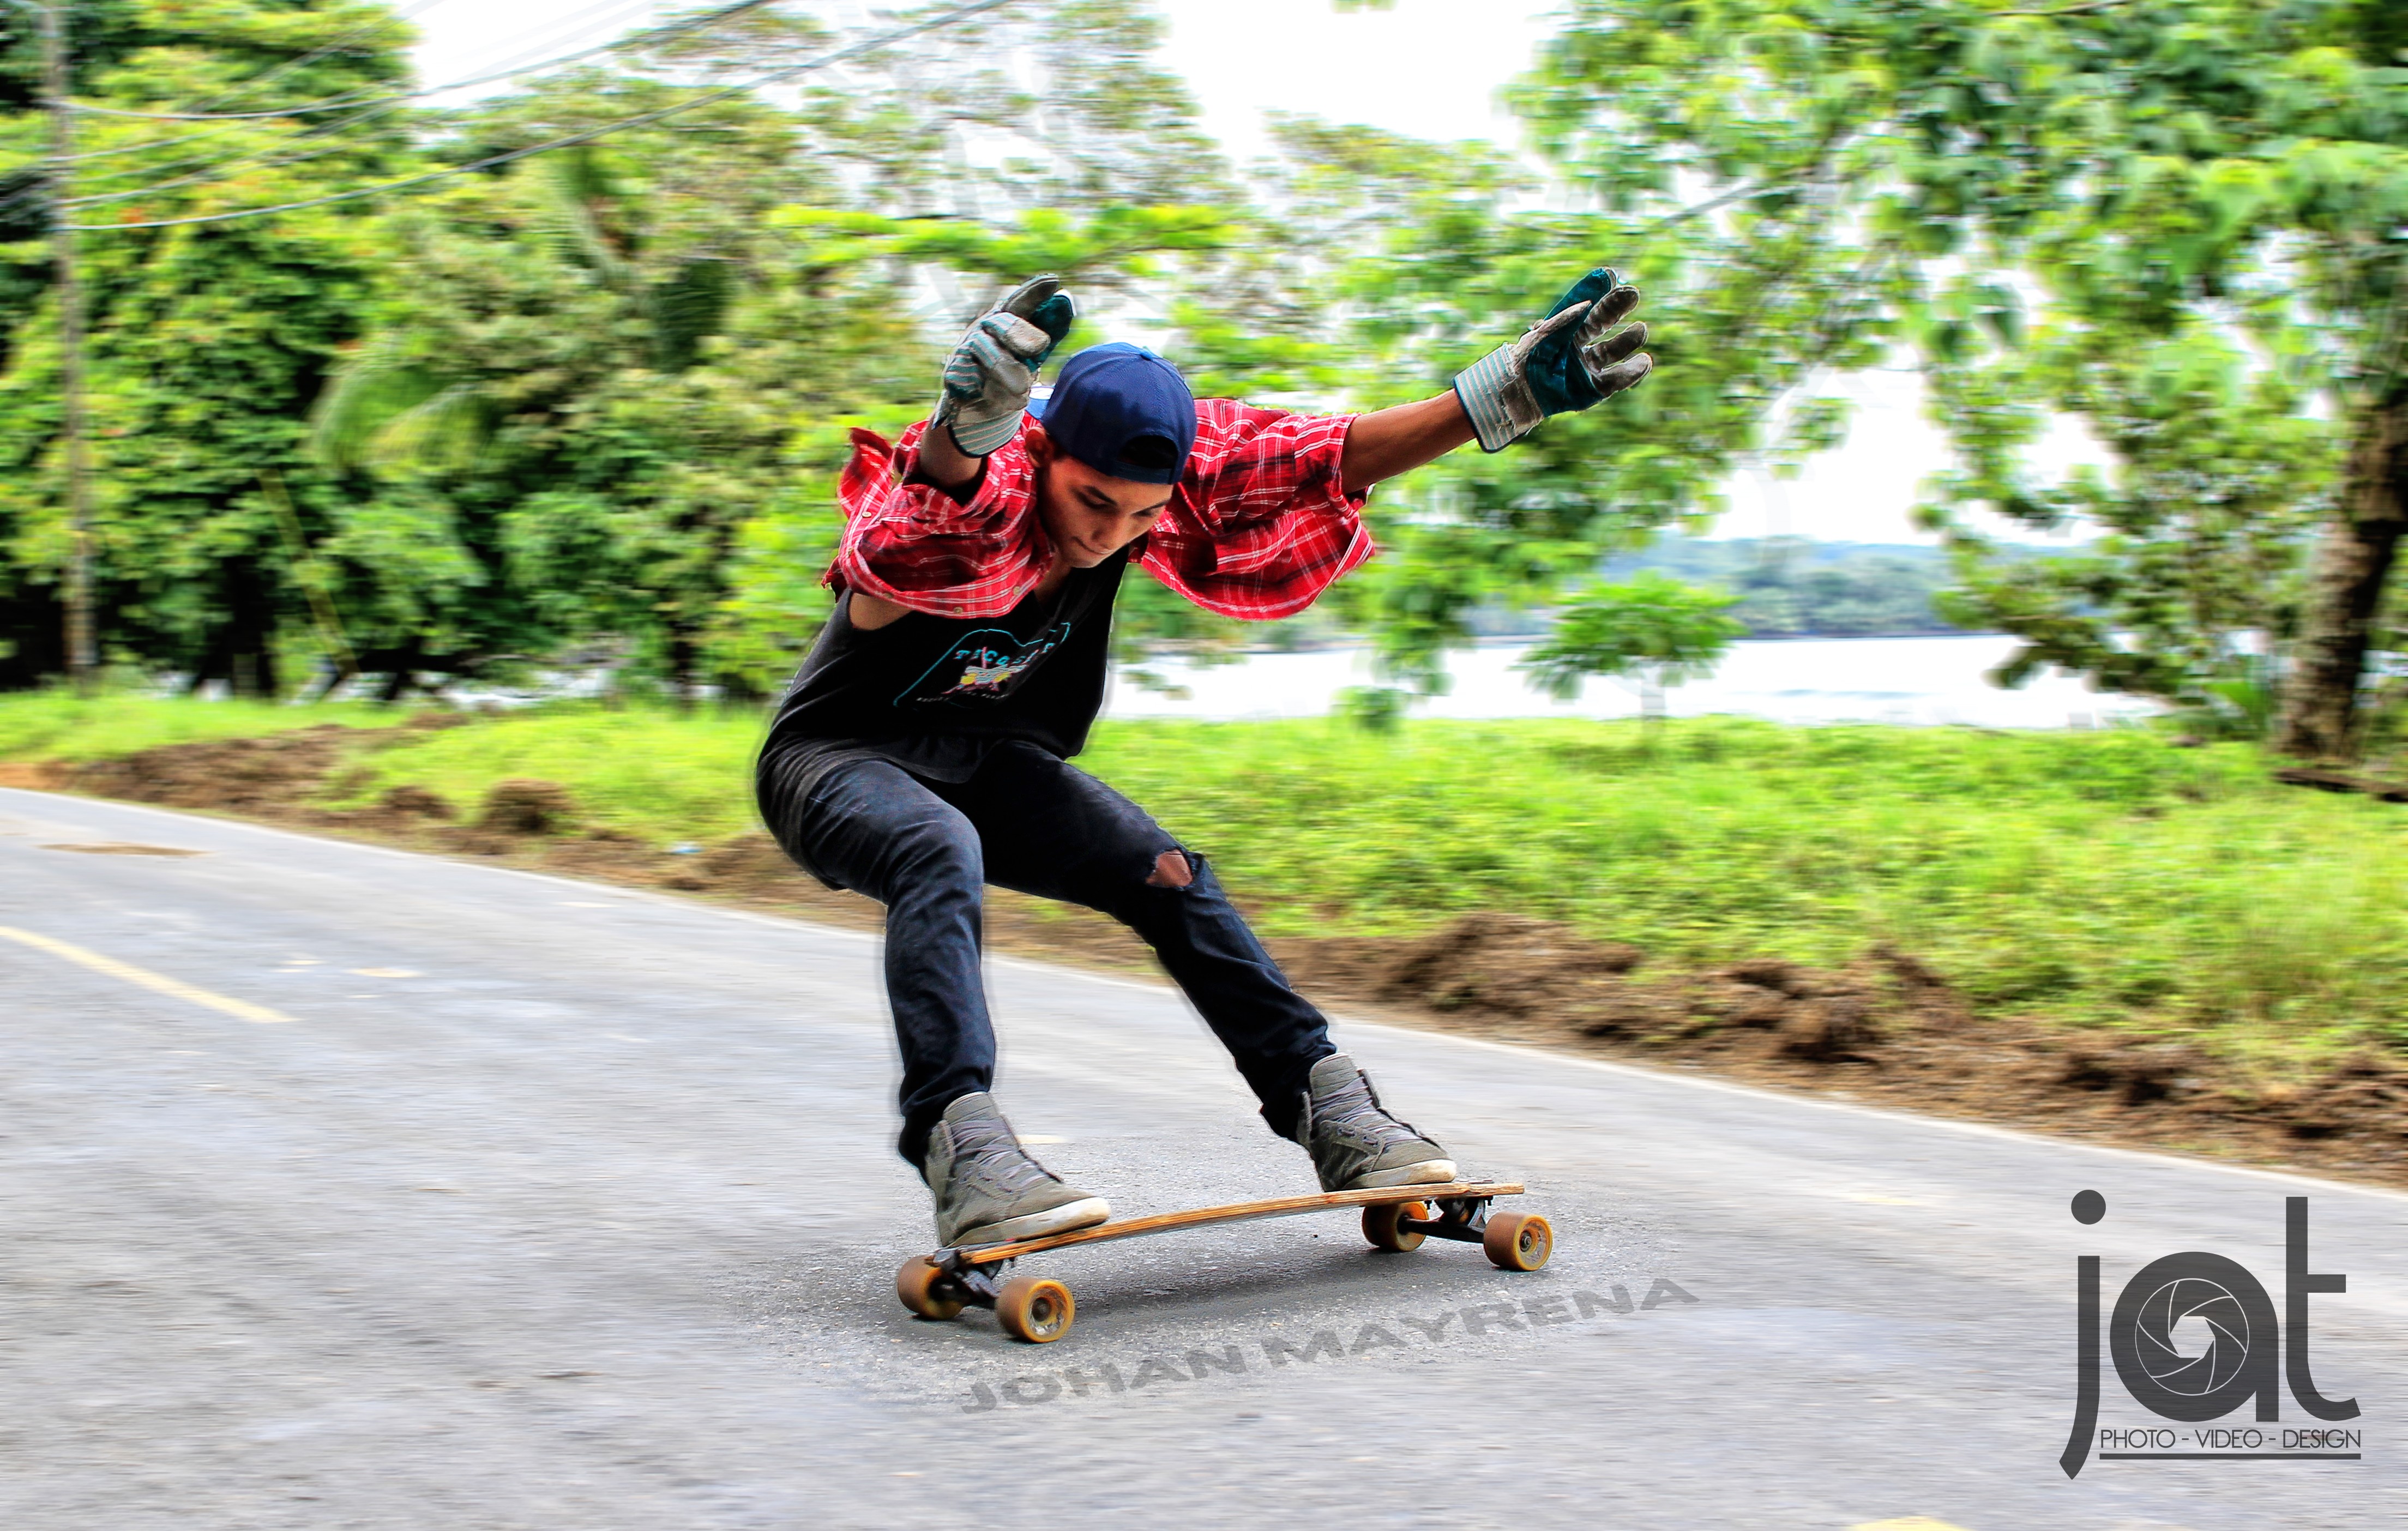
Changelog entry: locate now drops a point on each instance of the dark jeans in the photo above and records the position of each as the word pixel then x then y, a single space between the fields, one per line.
pixel 1038 824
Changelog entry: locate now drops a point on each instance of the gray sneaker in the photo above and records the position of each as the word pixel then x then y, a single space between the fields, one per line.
pixel 988 1190
pixel 1356 1144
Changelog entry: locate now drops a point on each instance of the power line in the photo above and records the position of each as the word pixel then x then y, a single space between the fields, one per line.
pixel 239 87
pixel 636 39
pixel 366 29
pixel 209 164
pixel 367 97
pixel 218 115
pixel 606 17
pixel 260 157
pixel 266 158
pixel 32 193
pixel 268 155
pixel 136 149
pixel 381 24
pixel 853 50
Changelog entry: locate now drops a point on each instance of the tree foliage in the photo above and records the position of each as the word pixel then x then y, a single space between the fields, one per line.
pixel 581 382
pixel 209 345
pixel 1660 630
pixel 593 402
pixel 2221 478
pixel 2212 196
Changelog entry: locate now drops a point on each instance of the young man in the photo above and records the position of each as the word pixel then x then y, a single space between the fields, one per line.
pixel 922 748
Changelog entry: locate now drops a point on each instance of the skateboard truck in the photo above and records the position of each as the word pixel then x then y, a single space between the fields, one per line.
pixel 977 1285
pixel 1463 1219
pixel 1397 1218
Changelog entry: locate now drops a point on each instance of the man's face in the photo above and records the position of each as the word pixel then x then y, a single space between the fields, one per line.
pixel 1089 516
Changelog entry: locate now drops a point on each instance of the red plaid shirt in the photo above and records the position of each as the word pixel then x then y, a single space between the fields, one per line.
pixel 1260 525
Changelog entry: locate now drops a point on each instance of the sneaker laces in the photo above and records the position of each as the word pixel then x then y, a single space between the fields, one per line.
pixel 991 1151
pixel 1355 1107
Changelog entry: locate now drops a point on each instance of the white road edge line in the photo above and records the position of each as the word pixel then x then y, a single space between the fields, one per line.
pixel 1977 1129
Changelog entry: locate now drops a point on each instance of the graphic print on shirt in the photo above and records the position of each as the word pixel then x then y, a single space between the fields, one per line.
pixel 985 664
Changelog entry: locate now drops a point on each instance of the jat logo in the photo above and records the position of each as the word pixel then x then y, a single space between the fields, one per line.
pixel 2194 1337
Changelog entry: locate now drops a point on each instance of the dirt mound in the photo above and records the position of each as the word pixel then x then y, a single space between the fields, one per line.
pixel 262 777
pixel 2364 1096
pixel 398 811
pixel 1888 1027
pixel 411 801
pixel 748 865
pixel 1510 964
pixel 2140 1072
pixel 527 805
pixel 2327 780
pixel 1509 967
pixel 1503 965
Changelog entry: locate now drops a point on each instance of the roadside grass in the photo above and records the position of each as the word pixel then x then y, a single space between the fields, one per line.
pixel 2085 878
pixel 655 774
pixel 2088 878
pixel 58 724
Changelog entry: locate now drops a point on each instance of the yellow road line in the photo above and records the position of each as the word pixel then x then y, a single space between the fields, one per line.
pixel 241 1009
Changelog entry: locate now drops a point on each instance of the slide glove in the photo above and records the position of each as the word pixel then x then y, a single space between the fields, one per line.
pixel 990 372
pixel 1567 361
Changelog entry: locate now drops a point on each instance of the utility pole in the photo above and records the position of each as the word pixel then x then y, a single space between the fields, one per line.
pixel 82 662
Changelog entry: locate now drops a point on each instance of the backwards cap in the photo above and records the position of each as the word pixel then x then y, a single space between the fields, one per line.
pixel 1124 411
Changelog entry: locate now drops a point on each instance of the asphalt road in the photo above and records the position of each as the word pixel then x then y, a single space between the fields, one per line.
pixel 342 1187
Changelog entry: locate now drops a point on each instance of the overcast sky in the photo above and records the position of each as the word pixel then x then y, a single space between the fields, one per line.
pixel 1431 68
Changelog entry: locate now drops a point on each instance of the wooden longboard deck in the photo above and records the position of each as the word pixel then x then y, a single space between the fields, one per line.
pixel 988 1254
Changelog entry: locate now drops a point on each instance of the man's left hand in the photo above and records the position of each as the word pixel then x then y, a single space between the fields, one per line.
pixel 1568 361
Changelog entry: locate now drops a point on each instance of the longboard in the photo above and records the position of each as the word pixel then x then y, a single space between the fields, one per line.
pixel 1398 1217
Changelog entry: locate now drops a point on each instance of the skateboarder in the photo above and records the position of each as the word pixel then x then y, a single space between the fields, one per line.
pixel 922 748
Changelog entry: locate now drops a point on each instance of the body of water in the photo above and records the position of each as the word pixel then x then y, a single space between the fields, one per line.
pixel 1927 680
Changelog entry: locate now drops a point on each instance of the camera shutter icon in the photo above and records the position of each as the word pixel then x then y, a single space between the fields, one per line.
pixel 2194 1335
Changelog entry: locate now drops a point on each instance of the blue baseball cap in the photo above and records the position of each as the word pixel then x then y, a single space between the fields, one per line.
pixel 1124 411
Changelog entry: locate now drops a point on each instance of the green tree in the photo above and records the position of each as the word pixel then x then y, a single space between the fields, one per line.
pixel 209 344
pixel 2178 173
pixel 2197 583
pixel 1661 631
pixel 584 377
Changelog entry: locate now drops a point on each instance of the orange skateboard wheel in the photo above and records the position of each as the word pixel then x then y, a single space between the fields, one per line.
pixel 1383 1226
pixel 915 1282
pixel 1036 1310
pixel 1518 1241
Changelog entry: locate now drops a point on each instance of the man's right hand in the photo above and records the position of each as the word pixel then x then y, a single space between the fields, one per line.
pixel 990 372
